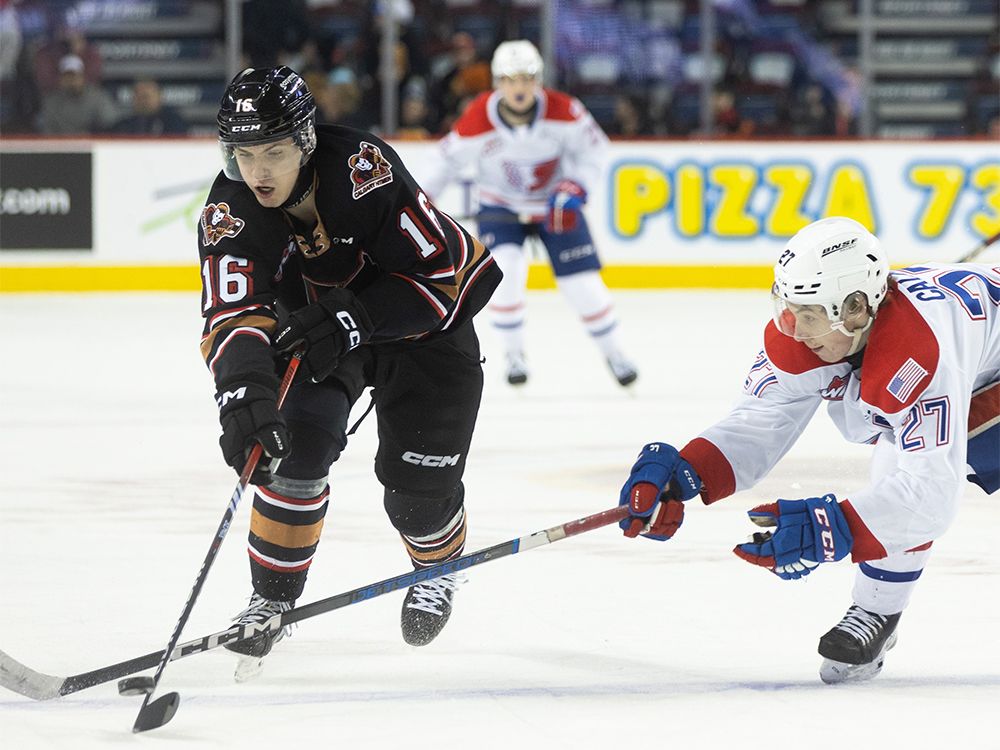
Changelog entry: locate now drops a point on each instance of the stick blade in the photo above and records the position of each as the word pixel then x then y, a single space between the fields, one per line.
pixel 157 713
pixel 22 679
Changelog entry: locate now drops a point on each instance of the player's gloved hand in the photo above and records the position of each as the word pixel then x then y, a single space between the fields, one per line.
pixel 809 532
pixel 329 328
pixel 565 204
pixel 249 415
pixel 658 483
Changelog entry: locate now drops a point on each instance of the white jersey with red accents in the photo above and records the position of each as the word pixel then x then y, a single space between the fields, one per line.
pixel 518 166
pixel 933 345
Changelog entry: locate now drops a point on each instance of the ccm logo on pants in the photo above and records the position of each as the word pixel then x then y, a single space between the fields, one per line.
pixel 420 459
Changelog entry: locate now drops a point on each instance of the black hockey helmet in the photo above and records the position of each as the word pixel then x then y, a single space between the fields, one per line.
pixel 263 105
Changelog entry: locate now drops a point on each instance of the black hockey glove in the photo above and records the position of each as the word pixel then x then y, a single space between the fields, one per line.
pixel 330 327
pixel 249 415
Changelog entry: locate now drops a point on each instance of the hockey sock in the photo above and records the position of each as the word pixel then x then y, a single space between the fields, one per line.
pixel 285 527
pixel 444 544
pixel 507 304
pixel 588 295
pixel 885 586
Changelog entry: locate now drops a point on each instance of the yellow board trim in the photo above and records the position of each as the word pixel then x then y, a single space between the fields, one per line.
pixel 85 278
pixel 99 278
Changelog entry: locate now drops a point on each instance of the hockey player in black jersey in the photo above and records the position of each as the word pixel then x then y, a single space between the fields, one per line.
pixel 317 236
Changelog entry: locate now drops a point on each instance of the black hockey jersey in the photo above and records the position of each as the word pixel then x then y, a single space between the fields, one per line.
pixel 417 273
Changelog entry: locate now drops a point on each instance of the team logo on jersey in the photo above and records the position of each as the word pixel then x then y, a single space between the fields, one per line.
pixel 369 170
pixel 530 176
pixel 836 390
pixel 217 223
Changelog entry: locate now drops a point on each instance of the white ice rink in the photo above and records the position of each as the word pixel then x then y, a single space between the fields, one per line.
pixel 113 484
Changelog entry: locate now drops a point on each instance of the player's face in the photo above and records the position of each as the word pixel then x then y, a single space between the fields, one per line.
pixel 810 325
pixel 518 92
pixel 270 170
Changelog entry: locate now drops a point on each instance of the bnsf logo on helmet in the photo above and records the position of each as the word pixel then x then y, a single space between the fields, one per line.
pixel 839 246
pixel 420 459
pixel 245 128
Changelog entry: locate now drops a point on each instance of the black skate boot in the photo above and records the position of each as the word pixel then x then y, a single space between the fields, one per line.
pixel 252 650
pixel 426 609
pixel 623 370
pixel 517 370
pixel 854 649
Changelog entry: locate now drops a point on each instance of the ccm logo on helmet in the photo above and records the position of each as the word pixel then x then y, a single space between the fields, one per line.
pixel 245 128
pixel 419 459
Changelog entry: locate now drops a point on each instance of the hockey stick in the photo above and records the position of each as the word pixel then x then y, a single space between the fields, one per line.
pixel 156 713
pixel 974 252
pixel 22 679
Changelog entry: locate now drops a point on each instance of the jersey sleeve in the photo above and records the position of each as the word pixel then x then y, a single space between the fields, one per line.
pixel 738 451
pixel 429 263
pixel 458 149
pixel 586 148
pixel 240 256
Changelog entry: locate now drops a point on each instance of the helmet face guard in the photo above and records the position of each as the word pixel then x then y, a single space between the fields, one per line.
pixel 261 112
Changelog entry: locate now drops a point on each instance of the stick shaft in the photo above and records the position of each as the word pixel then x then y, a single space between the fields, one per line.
pixel 220 533
pixel 40 686
pixel 974 252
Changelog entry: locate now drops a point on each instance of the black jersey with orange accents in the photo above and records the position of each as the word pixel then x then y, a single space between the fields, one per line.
pixel 415 270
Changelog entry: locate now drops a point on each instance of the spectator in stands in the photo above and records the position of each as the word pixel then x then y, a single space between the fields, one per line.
pixel 274 30
pixel 414 116
pixel 10 52
pixel 65 41
pixel 149 115
pixel 338 100
pixel 727 118
pixel 630 118
pixel 812 112
pixel 458 79
pixel 76 107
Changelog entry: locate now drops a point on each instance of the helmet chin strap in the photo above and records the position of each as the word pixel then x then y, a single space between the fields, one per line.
pixel 860 336
pixel 303 186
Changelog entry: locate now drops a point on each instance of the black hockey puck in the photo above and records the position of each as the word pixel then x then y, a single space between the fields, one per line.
pixel 136 686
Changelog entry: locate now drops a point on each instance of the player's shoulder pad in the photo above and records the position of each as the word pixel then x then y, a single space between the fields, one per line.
pixel 562 107
pixel 901 357
pixel 787 354
pixel 230 216
pixel 365 161
pixel 475 120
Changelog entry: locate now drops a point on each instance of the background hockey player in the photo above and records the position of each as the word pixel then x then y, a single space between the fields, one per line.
pixel 908 360
pixel 318 236
pixel 536 152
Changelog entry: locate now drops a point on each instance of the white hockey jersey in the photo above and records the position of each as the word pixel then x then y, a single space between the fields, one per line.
pixel 934 344
pixel 518 167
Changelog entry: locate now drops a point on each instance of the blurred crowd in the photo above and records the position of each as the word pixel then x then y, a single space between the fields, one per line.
pixel 52 83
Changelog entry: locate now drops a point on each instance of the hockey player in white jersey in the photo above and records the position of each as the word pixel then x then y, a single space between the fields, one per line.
pixel 536 151
pixel 907 360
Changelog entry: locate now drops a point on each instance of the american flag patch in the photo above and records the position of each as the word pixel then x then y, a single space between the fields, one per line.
pixel 905 380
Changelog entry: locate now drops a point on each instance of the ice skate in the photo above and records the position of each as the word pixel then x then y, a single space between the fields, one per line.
pixel 623 370
pixel 517 370
pixel 854 649
pixel 252 650
pixel 426 609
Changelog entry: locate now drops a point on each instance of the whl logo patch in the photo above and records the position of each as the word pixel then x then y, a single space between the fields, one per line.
pixel 217 223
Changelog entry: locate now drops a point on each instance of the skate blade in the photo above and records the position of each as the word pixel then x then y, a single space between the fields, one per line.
pixel 248 668
pixel 835 672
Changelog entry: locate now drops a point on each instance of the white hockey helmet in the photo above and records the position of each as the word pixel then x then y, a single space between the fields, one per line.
pixel 830 263
pixel 517 57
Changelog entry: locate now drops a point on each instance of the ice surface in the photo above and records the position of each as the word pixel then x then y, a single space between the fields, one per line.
pixel 113 485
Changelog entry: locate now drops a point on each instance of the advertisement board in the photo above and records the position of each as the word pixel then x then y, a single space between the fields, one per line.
pixel 688 213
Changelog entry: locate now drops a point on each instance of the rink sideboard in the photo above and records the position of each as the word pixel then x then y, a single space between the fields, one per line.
pixel 122 215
